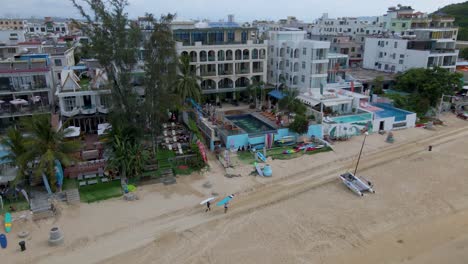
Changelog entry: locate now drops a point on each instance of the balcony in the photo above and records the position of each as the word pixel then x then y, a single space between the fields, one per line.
pixel 88 110
pixel 75 111
pixel 11 110
pixel 225 72
pixel 260 69
pixel 208 73
pixel 103 109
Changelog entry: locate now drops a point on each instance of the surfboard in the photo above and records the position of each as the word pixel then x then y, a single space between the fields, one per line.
pixel 3 241
pixel 207 200
pixel 261 157
pixel 8 222
pixel 259 170
pixel 225 200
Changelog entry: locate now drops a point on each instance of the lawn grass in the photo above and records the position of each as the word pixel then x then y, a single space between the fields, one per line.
pixel 69 184
pixel 277 153
pixel 100 191
pixel 20 205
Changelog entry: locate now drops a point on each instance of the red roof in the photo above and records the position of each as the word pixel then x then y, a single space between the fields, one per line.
pixel 30 43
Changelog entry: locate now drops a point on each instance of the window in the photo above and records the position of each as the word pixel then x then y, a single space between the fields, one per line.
pixel 303 65
pixel 400 62
pixel 58 62
pixel 403 25
pixel 386 67
pixel 303 79
pixel 393 24
pixel 380 54
pixel 304 51
pixel 69 103
pixel 402 56
pixel 353 49
pixel 394 56
pixel 395 45
pixel 392 68
pixel 11 50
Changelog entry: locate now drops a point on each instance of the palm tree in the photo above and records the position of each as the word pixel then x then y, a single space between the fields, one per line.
pixel 187 81
pixel 254 89
pixel 127 154
pixel 290 104
pixel 14 142
pixel 46 145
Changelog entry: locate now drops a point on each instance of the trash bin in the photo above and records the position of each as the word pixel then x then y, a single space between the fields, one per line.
pixel 22 245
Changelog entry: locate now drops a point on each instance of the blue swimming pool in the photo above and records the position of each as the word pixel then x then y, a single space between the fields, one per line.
pixel 388 111
pixel 250 124
pixel 352 118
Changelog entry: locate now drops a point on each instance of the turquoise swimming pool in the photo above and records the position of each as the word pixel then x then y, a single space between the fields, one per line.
pixel 352 118
pixel 250 124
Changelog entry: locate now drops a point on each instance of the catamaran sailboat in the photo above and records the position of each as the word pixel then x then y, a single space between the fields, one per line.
pixel 353 182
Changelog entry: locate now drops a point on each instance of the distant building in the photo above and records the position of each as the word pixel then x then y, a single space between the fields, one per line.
pixel 11 37
pixel 347 26
pixel 426 45
pixel 226 56
pixel 345 45
pixel 46 26
pixel 12 24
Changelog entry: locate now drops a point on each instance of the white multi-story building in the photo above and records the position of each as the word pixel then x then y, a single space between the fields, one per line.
pixel 227 57
pixel 60 56
pixel 11 37
pixel 84 100
pixel 347 26
pixel 417 48
pixel 296 61
pixel 46 26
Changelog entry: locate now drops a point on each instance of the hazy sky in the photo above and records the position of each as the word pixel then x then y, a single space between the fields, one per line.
pixel 244 10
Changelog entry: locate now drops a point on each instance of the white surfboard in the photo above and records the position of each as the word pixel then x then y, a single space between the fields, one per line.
pixel 207 200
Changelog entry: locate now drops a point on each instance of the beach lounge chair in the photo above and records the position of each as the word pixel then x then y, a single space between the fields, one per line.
pixel 174 139
pixel 167 140
pixel 180 151
pixel 169 146
pixel 91 182
pixel 165 133
pixel 173 124
pixel 82 183
pixel 105 180
pixel 173 132
pixel 165 125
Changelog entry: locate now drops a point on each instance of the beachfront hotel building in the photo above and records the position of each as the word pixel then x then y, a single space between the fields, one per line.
pixel 26 87
pixel 84 97
pixel 296 61
pixel 415 48
pixel 226 56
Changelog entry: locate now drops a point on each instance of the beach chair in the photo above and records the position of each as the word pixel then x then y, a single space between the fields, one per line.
pixel 173 124
pixel 164 125
pixel 173 132
pixel 82 183
pixel 169 147
pixel 91 182
pixel 165 133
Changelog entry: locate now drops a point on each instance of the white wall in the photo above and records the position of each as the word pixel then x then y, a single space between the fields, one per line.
pixel 388 125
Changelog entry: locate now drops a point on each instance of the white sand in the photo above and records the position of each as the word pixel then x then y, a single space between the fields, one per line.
pixel 301 215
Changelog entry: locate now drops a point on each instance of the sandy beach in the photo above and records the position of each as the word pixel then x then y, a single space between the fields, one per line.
pixel 303 214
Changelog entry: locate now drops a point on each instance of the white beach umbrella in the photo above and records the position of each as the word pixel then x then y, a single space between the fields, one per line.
pixel 19 102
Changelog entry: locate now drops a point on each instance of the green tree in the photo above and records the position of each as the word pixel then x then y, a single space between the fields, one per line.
pixel 187 81
pixel 254 90
pixel 115 41
pixel 290 104
pixel 429 83
pixel 464 53
pixel 127 156
pixel 14 142
pixel 45 145
pixel 161 62
pixel 377 85
pixel 300 124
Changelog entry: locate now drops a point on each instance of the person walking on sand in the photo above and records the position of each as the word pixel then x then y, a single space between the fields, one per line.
pixel 208 208
pixel 226 207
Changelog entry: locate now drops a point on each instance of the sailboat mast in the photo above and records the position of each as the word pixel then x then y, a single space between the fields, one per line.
pixel 360 152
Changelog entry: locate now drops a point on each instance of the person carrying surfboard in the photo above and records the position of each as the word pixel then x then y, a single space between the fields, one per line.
pixel 208 208
pixel 226 205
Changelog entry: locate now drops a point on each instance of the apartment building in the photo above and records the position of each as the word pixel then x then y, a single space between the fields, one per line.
pixel 46 26
pixel 296 61
pixel 347 26
pixel 11 37
pixel 61 56
pixel 418 47
pixel 26 87
pixel 12 24
pixel 226 56
pixel 347 45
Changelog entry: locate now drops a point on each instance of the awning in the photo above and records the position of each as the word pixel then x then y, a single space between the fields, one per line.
pixel 19 102
pixel 72 131
pixel 333 103
pixel 276 94
pixel 308 100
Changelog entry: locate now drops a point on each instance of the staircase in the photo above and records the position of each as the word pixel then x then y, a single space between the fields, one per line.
pixel 73 196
